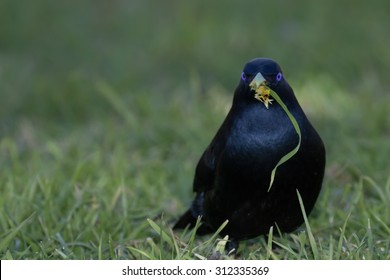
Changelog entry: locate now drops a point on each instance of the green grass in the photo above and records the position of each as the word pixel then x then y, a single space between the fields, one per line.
pixel 106 108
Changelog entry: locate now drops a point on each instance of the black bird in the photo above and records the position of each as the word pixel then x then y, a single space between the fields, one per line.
pixel 232 177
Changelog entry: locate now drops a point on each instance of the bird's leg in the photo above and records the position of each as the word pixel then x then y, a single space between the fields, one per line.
pixel 232 246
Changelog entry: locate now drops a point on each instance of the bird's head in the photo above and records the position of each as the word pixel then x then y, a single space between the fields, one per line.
pixel 261 75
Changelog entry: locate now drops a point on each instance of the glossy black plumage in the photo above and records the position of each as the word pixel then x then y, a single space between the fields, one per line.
pixel 233 175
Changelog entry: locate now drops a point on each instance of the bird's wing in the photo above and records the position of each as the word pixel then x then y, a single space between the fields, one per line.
pixel 205 170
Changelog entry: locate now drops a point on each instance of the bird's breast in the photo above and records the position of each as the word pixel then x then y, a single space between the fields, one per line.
pixel 260 136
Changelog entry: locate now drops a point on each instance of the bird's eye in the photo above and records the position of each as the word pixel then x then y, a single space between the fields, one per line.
pixel 278 77
pixel 243 76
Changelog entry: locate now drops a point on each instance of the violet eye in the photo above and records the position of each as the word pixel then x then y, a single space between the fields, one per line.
pixel 243 76
pixel 278 76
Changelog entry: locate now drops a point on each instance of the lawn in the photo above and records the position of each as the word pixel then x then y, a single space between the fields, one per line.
pixel 106 106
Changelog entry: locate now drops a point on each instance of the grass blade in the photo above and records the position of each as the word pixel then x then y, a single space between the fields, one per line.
pixel 107 92
pixel 312 241
pixel 269 242
pixel 135 250
pixel 175 245
pixel 156 251
pixel 215 235
pixel 111 247
pixel 192 238
pixel 222 244
pixel 294 122
pixel 7 239
pixel 342 236
pixel 160 232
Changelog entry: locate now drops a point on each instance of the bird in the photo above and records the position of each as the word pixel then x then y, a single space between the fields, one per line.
pixel 232 177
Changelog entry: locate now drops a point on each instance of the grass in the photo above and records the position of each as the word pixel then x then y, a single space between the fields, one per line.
pixel 106 108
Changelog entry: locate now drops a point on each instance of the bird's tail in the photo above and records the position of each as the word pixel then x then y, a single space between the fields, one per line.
pixel 185 220
pixel 188 220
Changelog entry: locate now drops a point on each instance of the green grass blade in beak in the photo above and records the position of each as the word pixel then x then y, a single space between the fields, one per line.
pixel 290 154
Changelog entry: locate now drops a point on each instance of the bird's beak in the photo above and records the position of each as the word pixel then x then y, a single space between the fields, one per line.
pixel 257 81
pixel 261 89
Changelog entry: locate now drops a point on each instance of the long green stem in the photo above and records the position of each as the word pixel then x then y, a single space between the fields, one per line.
pixel 289 155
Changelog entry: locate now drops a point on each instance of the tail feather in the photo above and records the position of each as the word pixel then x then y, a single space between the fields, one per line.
pixel 185 220
pixel 188 220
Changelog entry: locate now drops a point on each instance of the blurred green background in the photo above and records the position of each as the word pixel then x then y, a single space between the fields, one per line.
pixel 106 107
